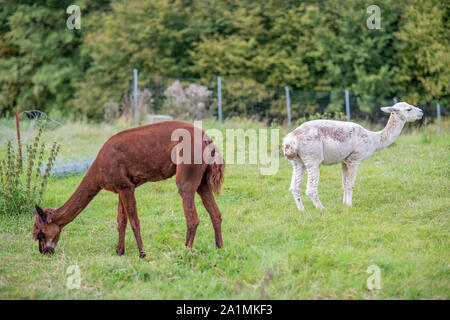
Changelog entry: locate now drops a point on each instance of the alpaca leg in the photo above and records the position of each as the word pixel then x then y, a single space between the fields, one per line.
pixel 188 180
pixel 129 204
pixel 121 228
pixel 313 185
pixel 296 182
pixel 191 215
pixel 344 179
pixel 210 205
pixel 352 169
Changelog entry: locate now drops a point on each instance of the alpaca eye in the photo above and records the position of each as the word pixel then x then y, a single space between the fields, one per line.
pixel 409 109
pixel 40 236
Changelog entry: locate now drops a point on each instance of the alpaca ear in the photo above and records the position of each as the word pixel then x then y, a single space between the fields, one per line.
pixel 41 213
pixel 388 109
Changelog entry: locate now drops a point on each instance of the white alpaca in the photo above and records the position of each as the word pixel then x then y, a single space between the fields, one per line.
pixel 330 142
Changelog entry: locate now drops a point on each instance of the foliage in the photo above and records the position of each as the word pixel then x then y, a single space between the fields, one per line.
pixel 40 58
pixel 22 183
pixel 425 55
pixel 125 109
pixel 193 102
pixel 147 35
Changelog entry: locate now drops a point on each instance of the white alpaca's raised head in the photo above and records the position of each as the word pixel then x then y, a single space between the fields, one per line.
pixel 404 111
pixel 290 146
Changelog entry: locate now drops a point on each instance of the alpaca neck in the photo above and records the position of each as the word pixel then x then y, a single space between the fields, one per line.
pixel 390 133
pixel 85 192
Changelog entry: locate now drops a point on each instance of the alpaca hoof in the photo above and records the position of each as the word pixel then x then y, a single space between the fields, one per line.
pixel 345 202
pixel 120 251
pixel 142 255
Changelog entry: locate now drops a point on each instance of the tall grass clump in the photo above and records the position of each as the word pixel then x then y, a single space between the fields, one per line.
pixel 23 181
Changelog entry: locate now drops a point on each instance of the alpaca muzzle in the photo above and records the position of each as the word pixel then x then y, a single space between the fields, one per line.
pixel 289 156
pixel 420 115
pixel 48 251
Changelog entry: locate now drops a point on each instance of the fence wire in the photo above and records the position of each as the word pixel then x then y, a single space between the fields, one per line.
pixel 249 99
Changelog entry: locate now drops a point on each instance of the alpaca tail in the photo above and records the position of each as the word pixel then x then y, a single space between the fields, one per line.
pixel 214 173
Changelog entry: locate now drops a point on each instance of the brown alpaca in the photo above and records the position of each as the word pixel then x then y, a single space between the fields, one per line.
pixel 130 159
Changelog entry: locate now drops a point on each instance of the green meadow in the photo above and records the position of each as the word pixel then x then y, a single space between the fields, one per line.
pixel 399 222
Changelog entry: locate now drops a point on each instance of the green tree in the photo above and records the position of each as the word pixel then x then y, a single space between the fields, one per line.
pixel 424 66
pixel 40 61
pixel 152 36
pixel 307 45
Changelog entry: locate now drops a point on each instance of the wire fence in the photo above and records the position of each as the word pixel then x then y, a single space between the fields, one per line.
pixel 190 98
pixel 30 121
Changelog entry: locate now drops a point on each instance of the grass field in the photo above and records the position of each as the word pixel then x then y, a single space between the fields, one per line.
pixel 399 222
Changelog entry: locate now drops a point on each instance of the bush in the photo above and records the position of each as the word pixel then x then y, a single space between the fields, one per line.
pixel 194 102
pixel 22 183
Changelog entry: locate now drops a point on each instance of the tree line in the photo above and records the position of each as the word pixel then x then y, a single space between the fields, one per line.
pixel 306 45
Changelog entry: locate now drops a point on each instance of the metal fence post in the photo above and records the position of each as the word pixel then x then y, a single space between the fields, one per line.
pixel 395 100
pixel 439 116
pixel 219 94
pixel 19 145
pixel 135 83
pixel 347 104
pixel 288 106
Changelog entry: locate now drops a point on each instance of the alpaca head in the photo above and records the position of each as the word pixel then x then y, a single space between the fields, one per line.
pixel 290 146
pixel 45 230
pixel 404 111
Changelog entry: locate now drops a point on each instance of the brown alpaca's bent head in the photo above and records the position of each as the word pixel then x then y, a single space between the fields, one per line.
pixel 45 231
